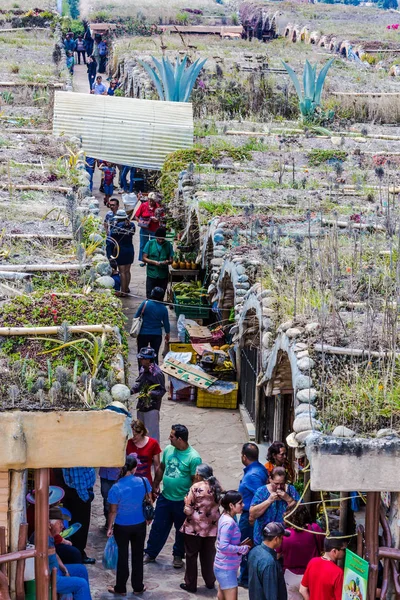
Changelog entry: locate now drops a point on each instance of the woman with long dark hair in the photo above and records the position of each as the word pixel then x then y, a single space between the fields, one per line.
pixel 126 521
pixel 277 457
pixel 305 542
pixel 229 550
pixel 200 527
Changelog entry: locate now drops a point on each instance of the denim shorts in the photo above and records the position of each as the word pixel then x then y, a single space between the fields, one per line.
pixel 226 579
pixel 108 189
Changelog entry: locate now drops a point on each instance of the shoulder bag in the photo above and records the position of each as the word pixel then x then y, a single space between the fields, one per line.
pixel 137 323
pixel 148 508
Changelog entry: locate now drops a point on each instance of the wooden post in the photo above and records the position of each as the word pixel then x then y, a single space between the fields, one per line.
pixel 42 575
pixel 371 540
pixel 19 577
pixel 344 512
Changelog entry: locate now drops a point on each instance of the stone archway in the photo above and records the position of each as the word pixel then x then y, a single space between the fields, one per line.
pixel 277 406
pixel 249 356
pixel 226 296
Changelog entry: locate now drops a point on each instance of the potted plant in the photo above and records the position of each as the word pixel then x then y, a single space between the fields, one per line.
pixel 188 262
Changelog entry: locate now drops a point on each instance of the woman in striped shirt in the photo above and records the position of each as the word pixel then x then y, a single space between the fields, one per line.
pixel 229 549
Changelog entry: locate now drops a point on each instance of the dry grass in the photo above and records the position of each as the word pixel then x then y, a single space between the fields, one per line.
pixel 26 4
pixel 153 11
pixel 354 22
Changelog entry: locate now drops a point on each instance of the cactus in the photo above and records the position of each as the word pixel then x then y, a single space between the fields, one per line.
pixel 174 83
pixel 312 86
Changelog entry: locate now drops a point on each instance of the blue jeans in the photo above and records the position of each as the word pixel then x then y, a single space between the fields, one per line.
pixel 76 584
pixel 145 235
pixel 168 513
pixel 105 487
pixel 246 531
pixel 124 175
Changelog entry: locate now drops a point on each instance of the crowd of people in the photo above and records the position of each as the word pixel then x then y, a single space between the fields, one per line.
pixel 93 51
pixel 155 251
pixel 259 537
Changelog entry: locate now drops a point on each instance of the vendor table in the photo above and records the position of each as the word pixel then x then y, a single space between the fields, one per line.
pixel 179 274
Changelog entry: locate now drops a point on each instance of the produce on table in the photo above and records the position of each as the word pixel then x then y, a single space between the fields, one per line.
pixel 189 290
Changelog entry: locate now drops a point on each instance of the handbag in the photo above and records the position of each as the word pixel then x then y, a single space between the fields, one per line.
pixel 148 508
pixel 137 323
pixel 143 223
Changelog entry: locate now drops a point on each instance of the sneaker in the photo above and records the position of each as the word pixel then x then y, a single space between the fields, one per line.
pixel 148 559
pixel 177 563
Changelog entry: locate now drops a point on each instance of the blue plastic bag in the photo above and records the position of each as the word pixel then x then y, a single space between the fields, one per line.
pixel 110 555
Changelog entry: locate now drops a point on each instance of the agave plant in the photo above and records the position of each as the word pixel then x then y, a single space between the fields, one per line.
pixel 174 83
pixel 312 85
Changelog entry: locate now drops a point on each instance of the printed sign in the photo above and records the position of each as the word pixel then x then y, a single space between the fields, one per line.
pixel 355 577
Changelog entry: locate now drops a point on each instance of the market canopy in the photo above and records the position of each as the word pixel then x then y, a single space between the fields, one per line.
pixel 126 131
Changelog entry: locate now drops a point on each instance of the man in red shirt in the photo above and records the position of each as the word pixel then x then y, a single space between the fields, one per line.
pixel 323 579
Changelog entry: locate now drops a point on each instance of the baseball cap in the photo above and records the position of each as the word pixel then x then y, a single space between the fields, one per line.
pixel 275 529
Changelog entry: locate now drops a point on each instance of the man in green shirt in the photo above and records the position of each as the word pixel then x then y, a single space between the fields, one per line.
pixel 157 254
pixel 177 470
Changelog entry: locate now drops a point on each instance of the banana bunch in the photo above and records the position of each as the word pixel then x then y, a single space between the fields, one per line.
pixel 192 290
pixel 226 366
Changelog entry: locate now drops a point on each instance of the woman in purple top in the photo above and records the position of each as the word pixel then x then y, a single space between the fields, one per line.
pixel 229 550
pixel 298 549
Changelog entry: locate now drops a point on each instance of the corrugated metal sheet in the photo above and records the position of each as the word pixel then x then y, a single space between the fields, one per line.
pixel 125 131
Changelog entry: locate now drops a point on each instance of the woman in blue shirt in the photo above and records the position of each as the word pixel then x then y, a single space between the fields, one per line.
pixel 126 521
pixel 271 501
pixel 155 317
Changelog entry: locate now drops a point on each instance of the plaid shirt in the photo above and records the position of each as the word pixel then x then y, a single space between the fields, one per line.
pixel 82 479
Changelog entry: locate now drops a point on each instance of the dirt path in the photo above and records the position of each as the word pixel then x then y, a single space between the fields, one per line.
pixel 216 434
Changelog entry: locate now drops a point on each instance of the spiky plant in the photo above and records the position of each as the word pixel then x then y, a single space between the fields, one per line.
pixel 173 82
pixel 312 87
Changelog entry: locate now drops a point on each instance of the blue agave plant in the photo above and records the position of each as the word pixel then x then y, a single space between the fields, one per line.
pixel 174 83
pixel 312 86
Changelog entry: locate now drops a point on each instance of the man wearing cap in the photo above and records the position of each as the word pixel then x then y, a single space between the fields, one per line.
pixel 266 581
pixel 64 548
pixel 149 402
pixel 157 255
pixel 71 578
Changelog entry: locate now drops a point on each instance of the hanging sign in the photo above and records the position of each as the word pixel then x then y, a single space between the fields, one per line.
pixel 355 579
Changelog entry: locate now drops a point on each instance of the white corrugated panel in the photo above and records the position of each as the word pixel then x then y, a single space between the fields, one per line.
pixel 126 131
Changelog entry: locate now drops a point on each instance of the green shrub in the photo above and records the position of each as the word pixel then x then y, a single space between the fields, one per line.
pixel 182 18
pixel 318 156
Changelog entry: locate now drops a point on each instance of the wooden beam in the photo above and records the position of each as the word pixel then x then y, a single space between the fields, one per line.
pixel 350 224
pixel 29 131
pixel 38 236
pixel 52 330
pixel 45 268
pixel 353 351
